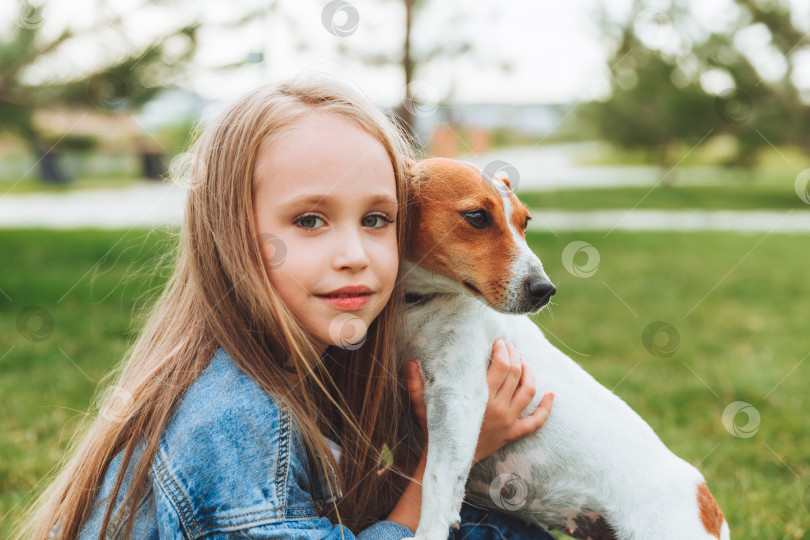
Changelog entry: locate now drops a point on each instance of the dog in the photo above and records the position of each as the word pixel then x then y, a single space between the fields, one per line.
pixel 595 469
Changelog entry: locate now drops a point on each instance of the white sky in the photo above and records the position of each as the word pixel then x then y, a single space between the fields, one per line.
pixel 556 48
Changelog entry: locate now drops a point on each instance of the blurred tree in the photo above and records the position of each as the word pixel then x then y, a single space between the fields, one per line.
pixel 412 56
pixel 646 110
pixel 123 84
pixel 659 90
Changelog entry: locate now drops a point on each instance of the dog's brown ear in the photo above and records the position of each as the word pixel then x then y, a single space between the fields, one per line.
pixel 415 174
pixel 411 168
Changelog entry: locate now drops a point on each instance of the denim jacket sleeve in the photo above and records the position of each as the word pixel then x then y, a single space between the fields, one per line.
pixel 230 464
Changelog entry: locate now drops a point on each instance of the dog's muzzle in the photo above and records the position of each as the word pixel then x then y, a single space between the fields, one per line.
pixel 539 292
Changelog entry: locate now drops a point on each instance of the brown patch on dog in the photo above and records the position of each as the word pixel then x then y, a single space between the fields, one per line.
pixel 592 527
pixel 443 243
pixel 710 513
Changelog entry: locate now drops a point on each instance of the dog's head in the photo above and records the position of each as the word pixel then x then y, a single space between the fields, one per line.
pixel 471 229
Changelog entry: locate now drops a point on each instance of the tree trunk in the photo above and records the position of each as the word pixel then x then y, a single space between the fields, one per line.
pixel 48 161
pixel 667 174
pixel 405 109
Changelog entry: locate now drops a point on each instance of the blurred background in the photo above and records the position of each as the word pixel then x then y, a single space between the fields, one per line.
pixel 662 147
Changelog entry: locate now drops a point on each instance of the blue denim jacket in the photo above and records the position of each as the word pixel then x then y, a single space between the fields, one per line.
pixel 229 464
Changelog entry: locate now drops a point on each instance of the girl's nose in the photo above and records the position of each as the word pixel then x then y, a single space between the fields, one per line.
pixel 350 252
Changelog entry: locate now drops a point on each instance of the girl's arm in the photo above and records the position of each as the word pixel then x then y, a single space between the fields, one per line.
pixel 408 509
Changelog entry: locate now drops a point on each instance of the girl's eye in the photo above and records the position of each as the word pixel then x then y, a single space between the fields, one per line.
pixel 370 220
pixel 375 221
pixel 308 222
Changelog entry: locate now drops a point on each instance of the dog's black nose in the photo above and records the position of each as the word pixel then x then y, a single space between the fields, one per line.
pixel 541 290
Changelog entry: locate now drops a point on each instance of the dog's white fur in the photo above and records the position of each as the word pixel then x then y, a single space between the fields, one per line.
pixel 594 461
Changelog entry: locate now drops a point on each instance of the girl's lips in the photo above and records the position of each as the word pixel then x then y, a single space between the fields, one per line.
pixel 347 302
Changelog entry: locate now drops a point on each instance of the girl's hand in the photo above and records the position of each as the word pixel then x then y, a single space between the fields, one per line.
pixel 511 389
pixel 416 390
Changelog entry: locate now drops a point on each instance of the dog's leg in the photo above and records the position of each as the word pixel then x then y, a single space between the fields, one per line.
pixel 455 411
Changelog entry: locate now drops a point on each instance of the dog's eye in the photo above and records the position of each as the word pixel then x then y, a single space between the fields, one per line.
pixel 478 218
pixel 526 225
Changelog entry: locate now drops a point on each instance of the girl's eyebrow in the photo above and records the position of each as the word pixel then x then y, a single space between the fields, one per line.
pixel 326 200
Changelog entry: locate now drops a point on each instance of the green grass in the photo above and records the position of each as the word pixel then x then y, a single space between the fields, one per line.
pixel 731 197
pixel 741 316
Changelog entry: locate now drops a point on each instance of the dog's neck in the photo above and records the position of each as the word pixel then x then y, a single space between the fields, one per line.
pixel 422 286
pixel 413 298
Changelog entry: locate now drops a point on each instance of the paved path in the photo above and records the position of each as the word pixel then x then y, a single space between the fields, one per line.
pixel 146 204
pixel 786 221
pixel 557 166
pixel 162 204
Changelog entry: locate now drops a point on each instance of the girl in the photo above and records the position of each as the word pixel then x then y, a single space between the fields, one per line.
pixel 275 338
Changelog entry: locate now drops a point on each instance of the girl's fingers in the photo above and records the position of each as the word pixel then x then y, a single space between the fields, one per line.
pixel 416 392
pixel 507 389
pixel 499 368
pixel 525 390
pixel 415 384
pixel 534 421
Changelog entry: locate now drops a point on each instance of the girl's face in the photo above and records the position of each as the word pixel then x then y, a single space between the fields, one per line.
pixel 325 210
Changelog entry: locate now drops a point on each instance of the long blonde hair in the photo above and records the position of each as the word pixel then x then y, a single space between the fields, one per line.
pixel 219 295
